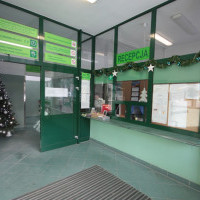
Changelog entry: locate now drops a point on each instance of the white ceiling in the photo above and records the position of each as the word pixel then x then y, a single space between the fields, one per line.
pixel 91 18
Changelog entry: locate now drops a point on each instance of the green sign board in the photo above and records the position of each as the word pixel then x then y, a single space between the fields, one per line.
pixel 18 28
pixel 60 50
pixel 33 68
pixel 132 56
pixel 59 40
pixel 16 39
pixel 86 76
pixel 18 51
pixel 49 57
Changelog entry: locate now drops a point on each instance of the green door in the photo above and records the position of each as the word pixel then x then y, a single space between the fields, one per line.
pixel 58 116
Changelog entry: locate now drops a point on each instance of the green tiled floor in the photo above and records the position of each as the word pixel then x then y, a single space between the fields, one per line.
pixel 23 168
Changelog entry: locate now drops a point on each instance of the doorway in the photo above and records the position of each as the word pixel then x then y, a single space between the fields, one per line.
pixel 22 85
pixel 59 109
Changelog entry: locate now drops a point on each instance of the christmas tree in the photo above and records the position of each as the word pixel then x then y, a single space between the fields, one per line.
pixel 7 120
pixel 143 96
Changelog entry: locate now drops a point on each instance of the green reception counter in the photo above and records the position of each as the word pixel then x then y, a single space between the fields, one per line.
pixel 175 155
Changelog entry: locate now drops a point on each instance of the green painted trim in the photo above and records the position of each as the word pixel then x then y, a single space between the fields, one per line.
pixel 115 47
pixel 41 42
pixel 78 84
pixel 32 68
pixel 150 79
pixel 92 81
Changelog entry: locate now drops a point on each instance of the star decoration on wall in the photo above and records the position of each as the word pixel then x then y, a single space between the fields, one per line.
pixel 150 68
pixel 114 73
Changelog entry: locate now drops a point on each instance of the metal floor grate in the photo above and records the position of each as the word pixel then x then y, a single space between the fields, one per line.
pixel 93 183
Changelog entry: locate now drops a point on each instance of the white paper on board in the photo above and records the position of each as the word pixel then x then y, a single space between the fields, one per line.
pixel 178 106
pixel 85 94
pixel 85 101
pixel 56 92
pixel 160 103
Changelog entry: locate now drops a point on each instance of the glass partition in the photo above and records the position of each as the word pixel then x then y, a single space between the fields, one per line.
pixel 59 93
pixel 86 55
pixel 103 97
pixel 177 29
pixel 104 50
pixel 85 37
pixel 134 35
pixel 60 44
pixel 131 90
pixel 18 34
pixel 177 105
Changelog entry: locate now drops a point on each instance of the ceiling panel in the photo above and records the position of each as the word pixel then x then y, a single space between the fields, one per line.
pixel 91 18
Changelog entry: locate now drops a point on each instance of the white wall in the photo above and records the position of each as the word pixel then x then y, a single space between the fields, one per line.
pixel 32 98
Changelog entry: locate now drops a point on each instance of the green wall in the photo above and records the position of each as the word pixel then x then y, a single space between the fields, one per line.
pixel 132 75
pixel 176 74
pixel 175 157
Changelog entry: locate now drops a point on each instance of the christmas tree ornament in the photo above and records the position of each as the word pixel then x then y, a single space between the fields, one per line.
pixel 8 134
pixel 143 96
pixel 150 68
pixel 7 120
pixel 114 73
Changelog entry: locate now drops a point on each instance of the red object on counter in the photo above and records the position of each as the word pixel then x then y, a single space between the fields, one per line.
pixel 106 107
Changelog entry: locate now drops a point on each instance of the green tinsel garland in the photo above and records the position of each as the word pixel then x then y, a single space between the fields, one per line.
pixel 144 66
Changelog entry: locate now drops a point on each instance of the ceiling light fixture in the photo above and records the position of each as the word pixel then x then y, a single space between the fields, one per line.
pixel 92 1
pixel 100 54
pixel 18 45
pixel 184 23
pixel 163 40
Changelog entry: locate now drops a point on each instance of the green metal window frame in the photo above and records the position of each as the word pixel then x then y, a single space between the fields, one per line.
pixel 148 105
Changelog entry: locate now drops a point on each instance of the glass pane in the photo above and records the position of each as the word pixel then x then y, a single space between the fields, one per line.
pixel 103 97
pixel 177 105
pixel 86 55
pixel 59 93
pixel 138 113
pixel 183 111
pixel 85 37
pixel 135 34
pixel 177 22
pixel 131 91
pixel 60 44
pixel 18 34
pixel 120 110
pixel 18 16
pixel 104 50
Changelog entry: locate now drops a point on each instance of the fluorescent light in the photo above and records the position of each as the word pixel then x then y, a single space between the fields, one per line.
pixel 32 78
pixel 18 45
pixel 185 24
pixel 163 40
pixel 87 60
pixel 36 78
pixel 100 54
pixel 92 1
